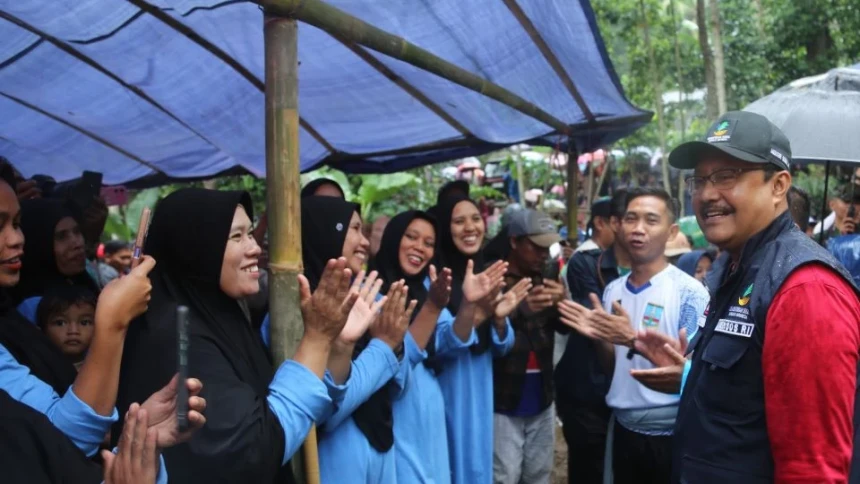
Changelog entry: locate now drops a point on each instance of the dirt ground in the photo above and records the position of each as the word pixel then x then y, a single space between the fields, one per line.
pixel 559 471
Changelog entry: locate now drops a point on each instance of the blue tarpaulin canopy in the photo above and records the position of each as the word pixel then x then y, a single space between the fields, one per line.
pixel 146 97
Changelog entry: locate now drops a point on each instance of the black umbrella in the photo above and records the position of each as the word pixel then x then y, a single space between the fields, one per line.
pixel 820 115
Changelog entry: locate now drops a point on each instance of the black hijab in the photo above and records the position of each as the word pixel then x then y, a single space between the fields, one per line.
pixel 311 187
pixel 188 237
pixel 325 223
pixel 34 451
pixel 39 219
pixel 388 264
pixel 451 257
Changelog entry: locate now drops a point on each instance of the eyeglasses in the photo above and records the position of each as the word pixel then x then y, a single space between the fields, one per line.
pixel 724 179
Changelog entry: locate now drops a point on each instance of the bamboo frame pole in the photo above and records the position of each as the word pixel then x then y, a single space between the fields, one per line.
pixel 282 192
pixel 345 26
pixel 572 195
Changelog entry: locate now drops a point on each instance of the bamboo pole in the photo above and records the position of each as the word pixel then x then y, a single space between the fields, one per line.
pixel 343 25
pixel 282 191
pixel 589 189
pixel 571 194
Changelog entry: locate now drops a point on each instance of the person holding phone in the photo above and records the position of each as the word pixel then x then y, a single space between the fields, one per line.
pixel 258 415
pixel 524 414
pixel 33 372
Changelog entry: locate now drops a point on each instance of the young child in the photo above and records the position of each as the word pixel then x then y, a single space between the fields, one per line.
pixel 67 315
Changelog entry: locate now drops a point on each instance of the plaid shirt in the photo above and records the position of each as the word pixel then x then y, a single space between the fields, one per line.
pixel 533 332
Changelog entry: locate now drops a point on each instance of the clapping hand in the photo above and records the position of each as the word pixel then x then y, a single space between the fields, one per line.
pixel 392 324
pixel 440 287
pixel 366 307
pixel 136 460
pixel 614 328
pixel 477 287
pixel 576 316
pixel 667 354
pixel 597 323
pixel 507 302
pixel 325 312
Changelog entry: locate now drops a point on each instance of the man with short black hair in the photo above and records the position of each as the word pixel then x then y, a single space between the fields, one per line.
pixel 599 226
pixel 770 394
pixel 655 296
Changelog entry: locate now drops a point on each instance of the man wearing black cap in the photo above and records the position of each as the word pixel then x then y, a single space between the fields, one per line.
pixel 524 419
pixel 770 394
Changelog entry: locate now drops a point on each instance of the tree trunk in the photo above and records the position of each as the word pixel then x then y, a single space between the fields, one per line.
pixel 658 96
pixel 763 38
pixel 719 58
pixel 682 89
pixel 759 14
pixel 711 105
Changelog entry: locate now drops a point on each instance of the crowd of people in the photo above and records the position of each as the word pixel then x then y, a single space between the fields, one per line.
pixel 428 353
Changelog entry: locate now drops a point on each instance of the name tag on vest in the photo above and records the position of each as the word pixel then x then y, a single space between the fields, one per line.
pixel 735 328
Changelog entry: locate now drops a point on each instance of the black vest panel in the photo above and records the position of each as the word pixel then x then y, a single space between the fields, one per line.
pixel 721 434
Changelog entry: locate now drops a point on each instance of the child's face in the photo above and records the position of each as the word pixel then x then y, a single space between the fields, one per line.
pixel 72 330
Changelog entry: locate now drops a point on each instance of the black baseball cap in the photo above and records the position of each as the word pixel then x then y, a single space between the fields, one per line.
pixel 742 135
pixel 602 207
pixel 537 226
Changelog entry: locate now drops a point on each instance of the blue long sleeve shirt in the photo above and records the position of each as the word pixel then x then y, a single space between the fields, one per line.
pixel 420 433
pixel 81 424
pixel 77 420
pixel 344 452
pixel 298 398
pixel 466 380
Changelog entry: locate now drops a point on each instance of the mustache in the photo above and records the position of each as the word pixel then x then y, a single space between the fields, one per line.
pixel 716 207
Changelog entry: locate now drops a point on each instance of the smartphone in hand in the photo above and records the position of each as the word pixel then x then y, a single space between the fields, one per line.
pixel 182 363
pixel 142 230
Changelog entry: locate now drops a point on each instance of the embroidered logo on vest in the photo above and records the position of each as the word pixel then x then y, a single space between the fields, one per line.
pixel 745 297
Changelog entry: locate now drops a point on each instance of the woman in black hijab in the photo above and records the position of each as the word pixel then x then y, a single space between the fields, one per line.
pixel 322 187
pixel 420 437
pixel 30 374
pixel 207 261
pixel 481 322
pixel 356 441
pixel 55 249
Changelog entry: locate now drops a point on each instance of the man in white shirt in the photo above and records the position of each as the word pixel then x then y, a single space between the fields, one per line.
pixel 656 296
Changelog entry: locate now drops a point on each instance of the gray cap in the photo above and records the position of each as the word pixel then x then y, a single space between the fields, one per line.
pixel 537 226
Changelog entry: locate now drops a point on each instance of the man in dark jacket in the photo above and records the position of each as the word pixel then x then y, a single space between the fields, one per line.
pixel 770 394
pixel 581 382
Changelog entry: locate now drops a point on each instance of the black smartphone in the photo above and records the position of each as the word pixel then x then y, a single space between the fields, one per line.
pixel 182 360
pixel 87 189
pixel 537 281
